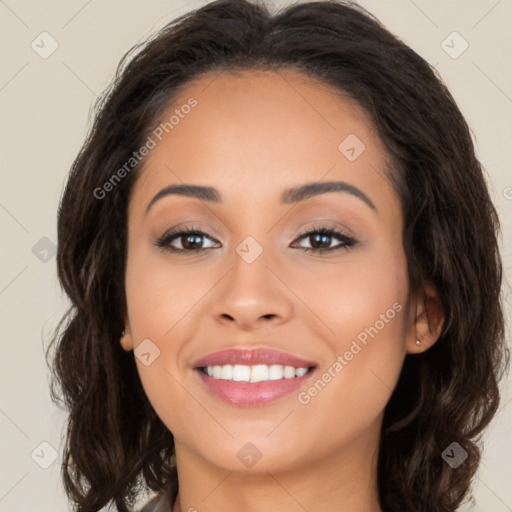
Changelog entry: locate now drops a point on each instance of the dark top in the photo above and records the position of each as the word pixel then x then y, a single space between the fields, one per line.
pixel 163 501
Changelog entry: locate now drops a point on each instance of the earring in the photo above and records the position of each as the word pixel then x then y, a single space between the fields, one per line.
pixel 418 342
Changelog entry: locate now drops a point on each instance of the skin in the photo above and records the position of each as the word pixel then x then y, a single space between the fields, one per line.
pixel 251 136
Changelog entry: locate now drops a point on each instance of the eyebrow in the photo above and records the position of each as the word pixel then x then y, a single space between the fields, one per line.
pixel 291 195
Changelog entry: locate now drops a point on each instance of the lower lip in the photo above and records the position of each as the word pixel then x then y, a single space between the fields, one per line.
pixel 252 393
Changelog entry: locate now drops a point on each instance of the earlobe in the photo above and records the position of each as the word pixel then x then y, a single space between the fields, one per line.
pixel 126 340
pixel 428 322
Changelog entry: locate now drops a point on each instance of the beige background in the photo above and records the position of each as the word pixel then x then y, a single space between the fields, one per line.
pixel 45 111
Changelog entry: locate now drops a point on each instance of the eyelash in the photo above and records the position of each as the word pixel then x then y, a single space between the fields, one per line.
pixel 347 241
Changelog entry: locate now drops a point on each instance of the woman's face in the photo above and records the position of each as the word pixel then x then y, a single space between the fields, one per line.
pixel 248 281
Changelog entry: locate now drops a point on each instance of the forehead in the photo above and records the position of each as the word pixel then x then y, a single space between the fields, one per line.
pixel 255 131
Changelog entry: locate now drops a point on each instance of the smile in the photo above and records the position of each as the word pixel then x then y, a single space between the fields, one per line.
pixel 252 377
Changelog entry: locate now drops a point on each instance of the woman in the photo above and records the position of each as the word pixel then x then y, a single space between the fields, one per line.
pixel 283 266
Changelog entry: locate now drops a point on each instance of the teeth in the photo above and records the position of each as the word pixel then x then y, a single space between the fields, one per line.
pixel 241 373
pixel 226 372
pixel 259 373
pixel 275 372
pixel 299 372
pixel 256 373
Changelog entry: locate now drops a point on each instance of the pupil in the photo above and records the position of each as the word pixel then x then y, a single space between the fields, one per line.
pixel 189 237
pixel 324 238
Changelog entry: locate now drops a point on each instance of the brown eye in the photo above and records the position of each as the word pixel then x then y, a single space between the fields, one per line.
pixel 190 240
pixel 321 237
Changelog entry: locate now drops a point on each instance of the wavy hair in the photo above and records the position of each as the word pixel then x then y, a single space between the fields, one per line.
pixel 116 445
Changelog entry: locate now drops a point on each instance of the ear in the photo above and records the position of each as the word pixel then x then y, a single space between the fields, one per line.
pixel 126 339
pixel 428 322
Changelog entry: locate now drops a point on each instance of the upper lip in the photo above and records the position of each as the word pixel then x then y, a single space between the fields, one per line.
pixel 252 357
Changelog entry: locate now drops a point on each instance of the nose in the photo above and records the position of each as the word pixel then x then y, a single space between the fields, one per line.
pixel 252 296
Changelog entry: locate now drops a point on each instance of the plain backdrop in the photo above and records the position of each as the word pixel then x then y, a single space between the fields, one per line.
pixel 45 112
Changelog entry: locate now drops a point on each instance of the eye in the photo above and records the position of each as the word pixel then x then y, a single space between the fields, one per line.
pixel 190 240
pixel 323 236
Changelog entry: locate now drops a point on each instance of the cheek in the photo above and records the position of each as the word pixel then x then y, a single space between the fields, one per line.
pixel 159 294
pixel 364 306
pixel 158 300
pixel 366 289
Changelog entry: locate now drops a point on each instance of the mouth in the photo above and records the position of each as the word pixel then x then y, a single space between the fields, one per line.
pixel 252 378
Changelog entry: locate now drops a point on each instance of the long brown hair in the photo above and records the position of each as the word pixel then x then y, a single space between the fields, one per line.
pixel 116 445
